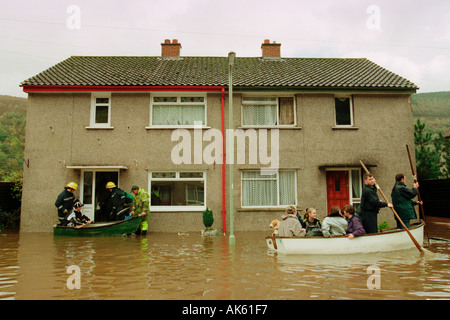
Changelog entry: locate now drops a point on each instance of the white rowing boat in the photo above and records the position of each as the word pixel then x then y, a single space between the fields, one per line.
pixel 388 240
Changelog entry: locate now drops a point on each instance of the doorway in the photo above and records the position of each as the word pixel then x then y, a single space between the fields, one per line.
pixel 337 189
pixel 95 196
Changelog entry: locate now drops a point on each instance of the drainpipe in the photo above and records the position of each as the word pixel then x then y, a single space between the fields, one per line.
pixel 231 57
pixel 223 163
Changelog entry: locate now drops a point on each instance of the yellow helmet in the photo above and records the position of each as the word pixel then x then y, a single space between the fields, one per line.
pixel 110 185
pixel 72 185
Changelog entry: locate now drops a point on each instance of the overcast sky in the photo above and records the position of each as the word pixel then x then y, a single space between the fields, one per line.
pixel 408 37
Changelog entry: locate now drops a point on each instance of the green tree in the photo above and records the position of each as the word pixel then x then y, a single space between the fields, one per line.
pixel 442 146
pixel 431 153
pixel 12 140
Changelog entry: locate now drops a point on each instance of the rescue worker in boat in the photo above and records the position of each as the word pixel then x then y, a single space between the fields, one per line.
pixel 119 209
pixel 65 201
pixel 141 206
pixel 371 204
pixel 402 199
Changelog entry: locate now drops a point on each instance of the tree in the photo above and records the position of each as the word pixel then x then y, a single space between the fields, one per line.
pixel 432 153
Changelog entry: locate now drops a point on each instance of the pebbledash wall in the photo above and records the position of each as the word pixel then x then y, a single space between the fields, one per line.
pixel 58 136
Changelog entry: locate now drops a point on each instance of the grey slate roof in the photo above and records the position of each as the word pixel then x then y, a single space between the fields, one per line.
pixel 249 73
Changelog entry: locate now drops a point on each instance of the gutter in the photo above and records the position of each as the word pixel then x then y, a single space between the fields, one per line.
pixel 89 88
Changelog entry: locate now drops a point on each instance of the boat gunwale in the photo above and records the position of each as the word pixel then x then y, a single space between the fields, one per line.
pixel 105 224
pixel 394 230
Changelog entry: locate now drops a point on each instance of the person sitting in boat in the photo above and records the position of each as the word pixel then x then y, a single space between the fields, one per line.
pixel 289 224
pixel 64 202
pixel 334 224
pixel 77 219
pixel 355 227
pixel 312 224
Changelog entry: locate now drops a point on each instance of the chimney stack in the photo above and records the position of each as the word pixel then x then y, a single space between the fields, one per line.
pixel 170 49
pixel 271 50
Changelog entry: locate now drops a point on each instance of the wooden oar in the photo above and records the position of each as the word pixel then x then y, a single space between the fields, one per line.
pixel 395 213
pixel 418 192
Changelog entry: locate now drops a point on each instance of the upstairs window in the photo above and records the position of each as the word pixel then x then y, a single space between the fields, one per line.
pixel 268 111
pixel 177 110
pixel 100 110
pixel 343 111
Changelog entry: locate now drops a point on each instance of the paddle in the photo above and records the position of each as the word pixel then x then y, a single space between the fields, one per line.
pixel 395 213
pixel 418 193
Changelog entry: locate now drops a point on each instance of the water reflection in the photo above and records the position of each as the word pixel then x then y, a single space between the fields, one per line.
pixel 189 266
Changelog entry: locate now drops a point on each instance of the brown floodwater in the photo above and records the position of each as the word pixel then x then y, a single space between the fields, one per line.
pixel 173 266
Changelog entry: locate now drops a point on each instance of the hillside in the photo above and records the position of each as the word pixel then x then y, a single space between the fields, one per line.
pixel 12 132
pixel 433 109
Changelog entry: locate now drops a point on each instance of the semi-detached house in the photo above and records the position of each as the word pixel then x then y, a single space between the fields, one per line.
pixel 158 122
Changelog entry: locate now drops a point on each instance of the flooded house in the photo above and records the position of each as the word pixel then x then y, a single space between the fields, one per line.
pixel 299 128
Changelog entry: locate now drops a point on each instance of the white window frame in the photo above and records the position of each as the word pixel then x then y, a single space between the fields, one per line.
pixel 278 189
pixel 178 95
pixel 352 122
pixel 94 104
pixel 277 97
pixel 178 178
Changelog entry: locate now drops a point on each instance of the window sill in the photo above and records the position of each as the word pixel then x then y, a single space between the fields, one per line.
pixel 344 128
pixel 176 127
pixel 259 209
pixel 99 128
pixel 271 127
pixel 168 209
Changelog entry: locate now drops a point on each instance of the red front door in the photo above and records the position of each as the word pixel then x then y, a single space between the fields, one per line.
pixel 337 189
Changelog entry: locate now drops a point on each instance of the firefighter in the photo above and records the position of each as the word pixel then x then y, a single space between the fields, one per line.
pixel 118 199
pixel 65 201
pixel 141 206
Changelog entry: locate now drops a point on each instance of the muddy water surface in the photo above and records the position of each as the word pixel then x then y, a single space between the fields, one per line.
pixel 188 266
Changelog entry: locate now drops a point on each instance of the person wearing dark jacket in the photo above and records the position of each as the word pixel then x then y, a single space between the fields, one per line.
pixel 402 200
pixel 371 204
pixel 65 201
pixel 118 198
pixel 355 227
pixel 77 219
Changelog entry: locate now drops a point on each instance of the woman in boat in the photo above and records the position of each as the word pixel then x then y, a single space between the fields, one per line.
pixel 312 224
pixel 289 224
pixel 355 227
pixel 334 224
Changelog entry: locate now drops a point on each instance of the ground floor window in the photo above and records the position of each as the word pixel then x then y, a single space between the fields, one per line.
pixel 177 190
pixel 263 190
